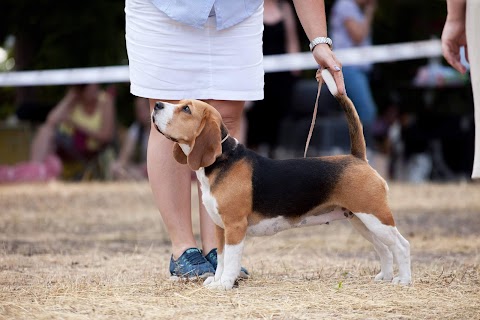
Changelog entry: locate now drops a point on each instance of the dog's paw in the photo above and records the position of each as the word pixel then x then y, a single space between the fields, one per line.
pixel 222 284
pixel 209 280
pixel 384 276
pixel 214 285
pixel 405 281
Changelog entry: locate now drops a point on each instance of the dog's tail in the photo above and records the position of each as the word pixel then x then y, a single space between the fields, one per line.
pixel 357 140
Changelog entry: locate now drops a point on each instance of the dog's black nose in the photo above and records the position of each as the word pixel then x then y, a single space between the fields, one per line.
pixel 159 105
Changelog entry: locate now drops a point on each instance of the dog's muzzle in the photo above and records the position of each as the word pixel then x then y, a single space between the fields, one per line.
pixel 158 107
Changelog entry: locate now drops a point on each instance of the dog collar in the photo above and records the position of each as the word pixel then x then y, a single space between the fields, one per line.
pixel 224 139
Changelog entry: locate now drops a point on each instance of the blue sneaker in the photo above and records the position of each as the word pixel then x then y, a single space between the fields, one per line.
pixel 212 258
pixel 190 265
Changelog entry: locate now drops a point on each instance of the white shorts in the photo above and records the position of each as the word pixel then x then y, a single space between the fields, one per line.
pixel 172 61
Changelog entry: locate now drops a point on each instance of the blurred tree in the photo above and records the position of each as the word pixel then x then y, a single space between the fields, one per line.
pixel 69 34
pixel 51 34
pixel 64 34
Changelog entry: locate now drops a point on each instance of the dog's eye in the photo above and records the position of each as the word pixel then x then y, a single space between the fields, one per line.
pixel 186 109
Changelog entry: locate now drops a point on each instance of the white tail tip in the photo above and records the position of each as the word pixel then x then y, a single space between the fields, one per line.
pixel 329 81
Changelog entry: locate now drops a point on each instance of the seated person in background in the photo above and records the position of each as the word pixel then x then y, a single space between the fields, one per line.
pixel 132 159
pixel 76 130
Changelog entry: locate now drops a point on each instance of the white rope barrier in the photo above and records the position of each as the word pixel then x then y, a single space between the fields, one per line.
pixel 355 56
pixel 273 63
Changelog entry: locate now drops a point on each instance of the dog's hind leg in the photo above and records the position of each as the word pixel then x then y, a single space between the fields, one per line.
pixel 386 256
pixel 390 237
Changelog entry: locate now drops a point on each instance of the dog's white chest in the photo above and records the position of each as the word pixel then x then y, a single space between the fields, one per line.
pixel 208 199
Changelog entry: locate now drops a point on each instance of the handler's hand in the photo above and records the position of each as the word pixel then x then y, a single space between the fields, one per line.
pixel 326 59
pixel 454 37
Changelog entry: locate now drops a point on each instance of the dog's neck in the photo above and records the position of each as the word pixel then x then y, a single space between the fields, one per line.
pixel 224 139
pixel 229 144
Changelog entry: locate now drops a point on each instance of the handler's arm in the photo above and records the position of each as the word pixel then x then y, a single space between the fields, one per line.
pixel 453 35
pixel 312 17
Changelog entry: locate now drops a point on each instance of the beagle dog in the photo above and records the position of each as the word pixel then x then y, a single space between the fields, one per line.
pixel 247 194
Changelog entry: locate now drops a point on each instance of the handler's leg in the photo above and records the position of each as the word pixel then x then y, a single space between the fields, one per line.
pixel 473 40
pixel 171 187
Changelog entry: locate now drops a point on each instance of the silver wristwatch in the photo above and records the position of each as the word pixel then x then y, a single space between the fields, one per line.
pixel 320 40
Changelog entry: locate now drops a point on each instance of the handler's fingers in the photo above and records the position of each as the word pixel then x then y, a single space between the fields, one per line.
pixel 335 68
pixel 326 59
pixel 451 53
pixel 338 77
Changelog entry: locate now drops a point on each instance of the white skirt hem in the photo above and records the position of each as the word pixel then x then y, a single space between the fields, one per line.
pixel 179 95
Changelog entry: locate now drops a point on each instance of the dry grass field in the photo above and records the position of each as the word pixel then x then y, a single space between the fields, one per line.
pixel 100 251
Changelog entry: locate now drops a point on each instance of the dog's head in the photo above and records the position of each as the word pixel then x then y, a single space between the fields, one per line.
pixel 194 126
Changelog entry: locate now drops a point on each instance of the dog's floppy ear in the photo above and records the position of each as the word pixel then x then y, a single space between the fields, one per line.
pixel 178 154
pixel 207 146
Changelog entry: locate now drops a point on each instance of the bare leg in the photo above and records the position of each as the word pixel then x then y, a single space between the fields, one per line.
pixel 43 143
pixel 171 187
pixel 231 112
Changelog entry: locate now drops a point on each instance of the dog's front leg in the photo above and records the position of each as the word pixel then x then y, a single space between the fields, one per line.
pixel 231 257
pixel 220 236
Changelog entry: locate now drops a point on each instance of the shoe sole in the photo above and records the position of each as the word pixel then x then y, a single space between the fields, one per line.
pixel 192 278
pixel 241 276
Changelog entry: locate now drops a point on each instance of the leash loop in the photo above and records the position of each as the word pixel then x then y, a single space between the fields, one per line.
pixel 319 78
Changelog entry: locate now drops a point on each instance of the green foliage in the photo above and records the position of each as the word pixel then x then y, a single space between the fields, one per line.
pixel 66 34
pixel 339 285
pixel 53 34
pixel 6 107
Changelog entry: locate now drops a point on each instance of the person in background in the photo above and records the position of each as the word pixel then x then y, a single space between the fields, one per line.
pixel 461 29
pixel 350 26
pixel 209 50
pixel 279 37
pixel 132 159
pixel 76 129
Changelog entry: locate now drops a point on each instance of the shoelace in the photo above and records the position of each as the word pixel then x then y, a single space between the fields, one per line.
pixel 194 258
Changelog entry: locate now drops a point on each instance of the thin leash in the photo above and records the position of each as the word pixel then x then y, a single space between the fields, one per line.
pixel 319 78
